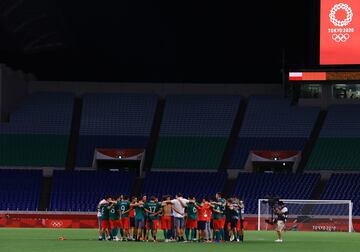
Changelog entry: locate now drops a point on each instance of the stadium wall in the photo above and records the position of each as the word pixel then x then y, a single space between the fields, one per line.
pixel 89 220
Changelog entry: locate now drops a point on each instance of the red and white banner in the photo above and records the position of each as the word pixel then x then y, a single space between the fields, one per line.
pixel 126 154
pixel 340 32
pixel 280 156
pixel 84 220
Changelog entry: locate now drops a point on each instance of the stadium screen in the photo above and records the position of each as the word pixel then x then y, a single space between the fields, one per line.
pixel 340 32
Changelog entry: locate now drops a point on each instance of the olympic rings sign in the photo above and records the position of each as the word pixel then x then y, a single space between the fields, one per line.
pixel 340 37
pixel 56 224
pixel 335 9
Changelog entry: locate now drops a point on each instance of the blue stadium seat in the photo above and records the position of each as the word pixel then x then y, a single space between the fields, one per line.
pixel 114 121
pixel 272 123
pixel 198 184
pixel 341 187
pixel 82 190
pixel 20 189
pixel 253 186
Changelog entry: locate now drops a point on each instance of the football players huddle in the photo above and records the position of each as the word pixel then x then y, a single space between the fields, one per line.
pixel 180 219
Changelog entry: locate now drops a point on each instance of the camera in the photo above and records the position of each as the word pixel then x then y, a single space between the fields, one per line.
pixel 273 203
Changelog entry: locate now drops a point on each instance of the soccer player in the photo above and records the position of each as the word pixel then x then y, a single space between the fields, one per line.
pixel 105 225
pixel 153 209
pixel 179 204
pixel 133 231
pixel 144 200
pixel 166 218
pixel 202 218
pixel 124 207
pixel 208 217
pixel 232 217
pixel 240 226
pixel 191 220
pixel 103 201
pixel 114 218
pixel 222 203
pixel 217 214
pixel 139 218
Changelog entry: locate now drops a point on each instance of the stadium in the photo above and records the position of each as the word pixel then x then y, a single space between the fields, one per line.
pixel 171 126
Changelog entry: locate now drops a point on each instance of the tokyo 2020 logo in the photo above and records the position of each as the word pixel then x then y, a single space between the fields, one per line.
pixel 335 9
pixel 341 34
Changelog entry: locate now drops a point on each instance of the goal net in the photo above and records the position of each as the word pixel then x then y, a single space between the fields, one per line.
pixel 309 215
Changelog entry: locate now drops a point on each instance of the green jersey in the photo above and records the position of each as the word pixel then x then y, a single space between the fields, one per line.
pixel 124 206
pixel 114 212
pixel 223 207
pixel 104 211
pixel 217 216
pixel 153 207
pixel 139 213
pixel 191 211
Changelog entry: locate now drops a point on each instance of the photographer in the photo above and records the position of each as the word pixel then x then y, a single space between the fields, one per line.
pixel 281 213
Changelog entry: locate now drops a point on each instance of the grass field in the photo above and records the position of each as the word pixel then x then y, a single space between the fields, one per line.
pixel 84 240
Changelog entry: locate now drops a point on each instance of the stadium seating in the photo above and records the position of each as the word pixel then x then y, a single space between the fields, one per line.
pixel 272 123
pixel 198 184
pixel 20 189
pixel 338 146
pixel 38 131
pixel 253 186
pixel 341 187
pixel 82 190
pixel 194 131
pixel 114 121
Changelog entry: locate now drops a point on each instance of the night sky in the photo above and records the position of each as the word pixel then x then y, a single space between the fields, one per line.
pixel 159 41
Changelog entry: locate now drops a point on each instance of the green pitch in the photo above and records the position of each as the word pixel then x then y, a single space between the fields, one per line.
pixel 84 240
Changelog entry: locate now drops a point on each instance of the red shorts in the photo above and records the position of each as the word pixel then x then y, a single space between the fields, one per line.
pixel 152 224
pixel 125 223
pixel 191 224
pixel 115 224
pixel 105 224
pixel 217 224
pixel 166 223
pixel 223 220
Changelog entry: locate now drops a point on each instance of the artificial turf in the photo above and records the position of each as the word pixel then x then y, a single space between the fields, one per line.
pixel 85 240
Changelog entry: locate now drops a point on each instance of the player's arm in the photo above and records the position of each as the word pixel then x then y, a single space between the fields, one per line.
pixel 146 209
pixel 158 212
pixel 213 204
pixel 217 211
pixel 134 204
pixel 125 212
pixel 197 205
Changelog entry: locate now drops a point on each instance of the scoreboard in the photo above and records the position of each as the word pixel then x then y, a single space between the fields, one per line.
pixel 340 32
pixel 324 76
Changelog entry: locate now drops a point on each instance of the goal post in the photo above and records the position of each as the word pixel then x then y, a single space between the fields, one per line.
pixel 310 215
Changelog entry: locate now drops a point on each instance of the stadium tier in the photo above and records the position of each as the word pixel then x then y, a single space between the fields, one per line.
pixel 194 131
pixel 272 123
pixel 38 131
pixel 82 190
pixel 338 146
pixel 341 187
pixel 20 189
pixel 253 186
pixel 114 121
pixel 198 184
